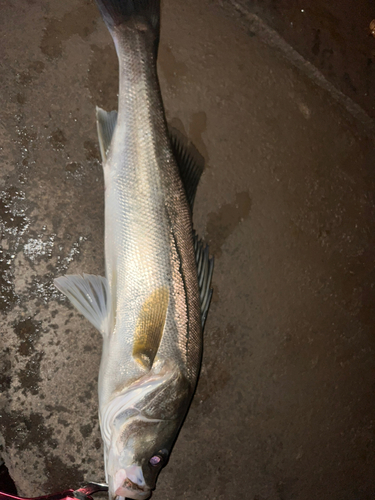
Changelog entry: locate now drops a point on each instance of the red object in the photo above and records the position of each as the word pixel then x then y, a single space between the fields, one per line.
pixel 83 493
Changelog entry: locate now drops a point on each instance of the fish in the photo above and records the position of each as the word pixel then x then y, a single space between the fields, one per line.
pixel 152 303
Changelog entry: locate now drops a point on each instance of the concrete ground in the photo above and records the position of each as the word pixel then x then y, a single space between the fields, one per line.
pixel 285 404
pixel 336 37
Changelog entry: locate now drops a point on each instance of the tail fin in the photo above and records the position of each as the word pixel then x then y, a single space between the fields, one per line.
pixel 117 12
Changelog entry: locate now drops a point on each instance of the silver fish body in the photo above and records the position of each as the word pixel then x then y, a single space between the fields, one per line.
pixel 148 228
pixel 149 306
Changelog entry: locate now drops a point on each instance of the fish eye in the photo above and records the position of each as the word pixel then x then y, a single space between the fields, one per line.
pixel 155 460
pixel 159 458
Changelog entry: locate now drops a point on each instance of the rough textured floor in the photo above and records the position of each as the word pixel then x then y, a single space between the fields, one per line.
pixel 284 408
pixel 334 36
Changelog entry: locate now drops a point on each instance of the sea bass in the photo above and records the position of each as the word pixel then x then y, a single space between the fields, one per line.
pixel 151 306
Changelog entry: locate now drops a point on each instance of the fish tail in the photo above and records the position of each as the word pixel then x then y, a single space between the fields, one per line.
pixel 122 12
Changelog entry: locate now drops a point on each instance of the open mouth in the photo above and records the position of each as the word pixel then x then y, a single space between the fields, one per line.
pixel 132 486
pixel 132 490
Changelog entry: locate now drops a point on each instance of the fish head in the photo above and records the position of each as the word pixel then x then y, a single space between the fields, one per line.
pixel 136 458
pixel 143 434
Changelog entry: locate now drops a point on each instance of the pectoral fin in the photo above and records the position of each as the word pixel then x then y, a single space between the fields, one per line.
pixel 90 294
pixel 150 327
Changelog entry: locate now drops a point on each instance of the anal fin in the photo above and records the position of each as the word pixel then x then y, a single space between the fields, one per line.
pixel 106 124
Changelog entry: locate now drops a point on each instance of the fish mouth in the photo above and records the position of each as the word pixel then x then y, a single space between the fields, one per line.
pixel 128 483
pixel 132 491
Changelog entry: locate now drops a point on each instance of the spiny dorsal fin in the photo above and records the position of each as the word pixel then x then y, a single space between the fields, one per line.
pixel 150 327
pixel 90 294
pixel 205 267
pixel 106 124
pixel 190 163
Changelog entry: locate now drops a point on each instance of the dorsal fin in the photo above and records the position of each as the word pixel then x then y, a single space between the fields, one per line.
pixel 190 163
pixel 150 327
pixel 106 124
pixel 205 267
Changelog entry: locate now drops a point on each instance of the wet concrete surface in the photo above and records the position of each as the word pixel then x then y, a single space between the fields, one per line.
pixel 284 407
pixel 334 36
